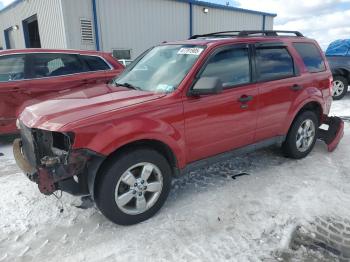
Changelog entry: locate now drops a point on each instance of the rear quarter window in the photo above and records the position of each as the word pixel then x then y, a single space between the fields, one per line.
pixel 311 56
pixel 95 63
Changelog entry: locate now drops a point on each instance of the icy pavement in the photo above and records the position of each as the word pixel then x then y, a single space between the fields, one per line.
pixel 278 211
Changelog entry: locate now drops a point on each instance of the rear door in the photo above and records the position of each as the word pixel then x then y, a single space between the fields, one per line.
pixel 218 123
pixel 12 95
pixel 278 83
pixel 316 74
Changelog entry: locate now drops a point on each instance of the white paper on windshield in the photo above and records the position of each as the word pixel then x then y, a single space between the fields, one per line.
pixel 165 88
pixel 190 51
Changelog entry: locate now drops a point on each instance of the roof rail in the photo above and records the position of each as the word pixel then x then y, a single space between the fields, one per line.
pixel 269 33
pixel 217 34
pixel 247 33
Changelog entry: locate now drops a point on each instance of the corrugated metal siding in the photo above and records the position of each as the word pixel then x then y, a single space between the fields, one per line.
pixel 269 23
pixel 224 20
pixel 123 24
pixel 73 11
pixel 138 25
pixel 50 21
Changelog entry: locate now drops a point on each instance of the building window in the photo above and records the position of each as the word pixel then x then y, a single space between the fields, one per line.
pixel 122 53
pixel 86 30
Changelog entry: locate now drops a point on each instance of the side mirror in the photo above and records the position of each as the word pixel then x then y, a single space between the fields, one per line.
pixel 207 86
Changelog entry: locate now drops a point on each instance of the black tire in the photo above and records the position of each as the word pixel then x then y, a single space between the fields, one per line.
pixel 290 145
pixel 111 174
pixel 344 81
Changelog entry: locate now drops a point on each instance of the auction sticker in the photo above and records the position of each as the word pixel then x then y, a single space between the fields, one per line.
pixel 190 51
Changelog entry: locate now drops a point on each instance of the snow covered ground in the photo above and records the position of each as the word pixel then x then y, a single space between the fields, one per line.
pixel 263 216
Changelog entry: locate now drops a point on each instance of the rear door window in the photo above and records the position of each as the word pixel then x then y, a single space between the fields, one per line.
pixel 55 64
pixel 274 63
pixel 95 63
pixel 12 67
pixel 311 56
pixel 231 66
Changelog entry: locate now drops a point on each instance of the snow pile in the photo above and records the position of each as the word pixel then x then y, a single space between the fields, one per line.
pixel 209 216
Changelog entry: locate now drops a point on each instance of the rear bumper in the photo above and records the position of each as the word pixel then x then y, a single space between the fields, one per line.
pixel 71 177
pixel 334 134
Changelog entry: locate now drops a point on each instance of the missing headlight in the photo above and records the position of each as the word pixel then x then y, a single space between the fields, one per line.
pixel 62 141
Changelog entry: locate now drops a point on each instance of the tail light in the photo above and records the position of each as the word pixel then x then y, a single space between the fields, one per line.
pixel 330 84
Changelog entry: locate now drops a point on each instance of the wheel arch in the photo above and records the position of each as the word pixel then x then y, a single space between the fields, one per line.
pixel 154 144
pixel 341 72
pixel 313 106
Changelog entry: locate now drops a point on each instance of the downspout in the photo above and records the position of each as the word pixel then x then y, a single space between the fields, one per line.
pixel 97 37
pixel 191 19
pixel 264 23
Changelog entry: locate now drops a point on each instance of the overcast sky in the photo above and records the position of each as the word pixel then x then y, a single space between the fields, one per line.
pixel 324 20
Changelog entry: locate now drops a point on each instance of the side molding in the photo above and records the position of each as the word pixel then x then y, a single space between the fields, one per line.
pixel 234 153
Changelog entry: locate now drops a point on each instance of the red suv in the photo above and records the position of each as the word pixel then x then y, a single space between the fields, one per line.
pixel 32 75
pixel 179 106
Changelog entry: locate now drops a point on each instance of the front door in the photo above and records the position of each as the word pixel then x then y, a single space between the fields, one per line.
pixel 218 123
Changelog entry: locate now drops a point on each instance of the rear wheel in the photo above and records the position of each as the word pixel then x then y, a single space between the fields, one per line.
pixel 134 186
pixel 302 135
pixel 340 87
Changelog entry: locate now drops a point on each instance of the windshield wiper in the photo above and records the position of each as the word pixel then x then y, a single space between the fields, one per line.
pixel 128 85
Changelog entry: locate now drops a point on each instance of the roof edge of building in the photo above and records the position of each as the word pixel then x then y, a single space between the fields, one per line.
pixel 194 2
pixel 13 4
pixel 231 8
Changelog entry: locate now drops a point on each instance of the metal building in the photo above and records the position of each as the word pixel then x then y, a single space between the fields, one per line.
pixel 126 27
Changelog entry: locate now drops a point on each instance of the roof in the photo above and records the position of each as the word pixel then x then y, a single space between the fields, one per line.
pixel 41 50
pixel 215 41
pixel 194 2
pixel 224 7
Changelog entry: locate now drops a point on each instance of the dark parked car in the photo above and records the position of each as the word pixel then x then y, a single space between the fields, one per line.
pixel 179 106
pixel 338 56
pixel 29 76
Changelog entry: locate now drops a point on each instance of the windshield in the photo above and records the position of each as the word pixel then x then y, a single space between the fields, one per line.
pixel 161 69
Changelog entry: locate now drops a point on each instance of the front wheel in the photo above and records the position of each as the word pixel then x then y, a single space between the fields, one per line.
pixel 134 186
pixel 340 87
pixel 302 135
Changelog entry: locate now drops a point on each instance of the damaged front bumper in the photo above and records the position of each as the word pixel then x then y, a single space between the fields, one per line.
pixel 52 174
pixel 334 134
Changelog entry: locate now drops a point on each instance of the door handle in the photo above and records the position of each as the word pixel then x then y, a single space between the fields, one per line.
pixel 245 99
pixel 296 87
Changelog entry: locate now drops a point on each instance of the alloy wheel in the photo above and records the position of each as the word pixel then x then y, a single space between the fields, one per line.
pixel 305 135
pixel 139 188
pixel 338 88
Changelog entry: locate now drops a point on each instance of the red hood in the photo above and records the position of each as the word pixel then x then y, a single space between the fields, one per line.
pixel 57 112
